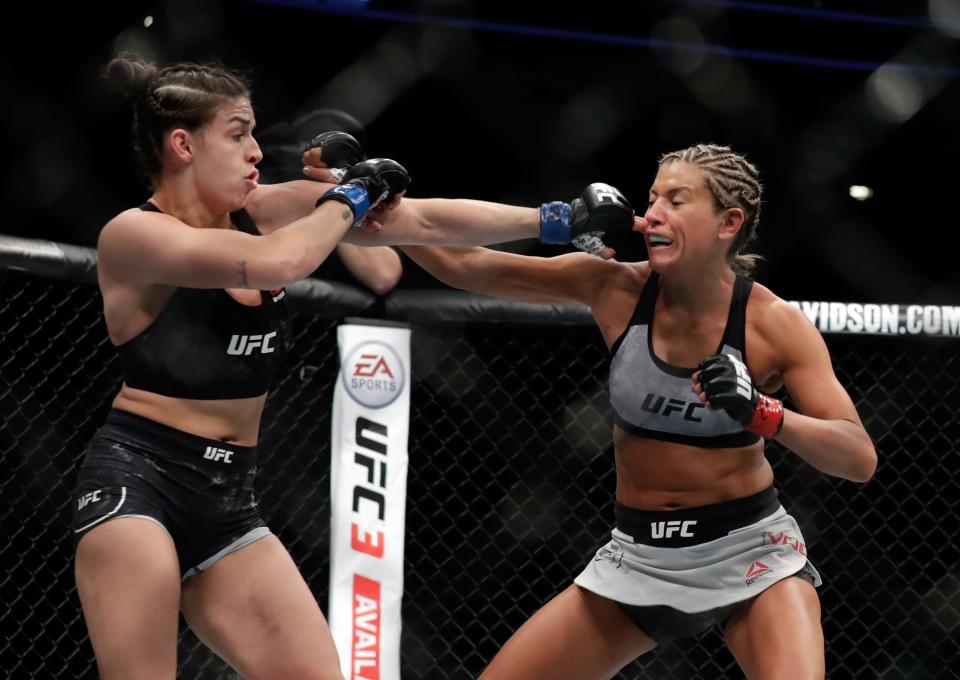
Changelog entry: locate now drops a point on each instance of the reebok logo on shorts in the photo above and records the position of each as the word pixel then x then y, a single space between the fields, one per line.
pixel 756 570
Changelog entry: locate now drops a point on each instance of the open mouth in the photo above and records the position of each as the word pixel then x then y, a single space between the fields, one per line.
pixel 659 241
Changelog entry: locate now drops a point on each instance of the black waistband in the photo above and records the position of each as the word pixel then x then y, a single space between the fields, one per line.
pixel 173 443
pixel 690 526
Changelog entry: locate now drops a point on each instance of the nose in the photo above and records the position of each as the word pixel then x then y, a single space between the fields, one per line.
pixel 654 214
pixel 256 154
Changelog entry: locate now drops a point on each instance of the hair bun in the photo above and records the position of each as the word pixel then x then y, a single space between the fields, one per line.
pixel 131 75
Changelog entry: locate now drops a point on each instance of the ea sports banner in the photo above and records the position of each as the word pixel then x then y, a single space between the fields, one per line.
pixel 368 489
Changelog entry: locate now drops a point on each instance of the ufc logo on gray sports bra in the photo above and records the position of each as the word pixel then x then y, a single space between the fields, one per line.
pixel 660 405
pixel 246 344
pixel 668 529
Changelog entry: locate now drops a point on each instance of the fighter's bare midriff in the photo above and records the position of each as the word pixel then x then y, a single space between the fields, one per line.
pixel 235 421
pixel 660 475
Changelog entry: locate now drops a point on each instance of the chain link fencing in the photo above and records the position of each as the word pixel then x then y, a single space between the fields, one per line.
pixel 510 490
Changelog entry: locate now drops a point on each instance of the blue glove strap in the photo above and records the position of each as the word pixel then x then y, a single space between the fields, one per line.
pixel 353 195
pixel 555 222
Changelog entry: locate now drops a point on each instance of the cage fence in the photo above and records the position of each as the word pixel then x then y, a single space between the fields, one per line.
pixel 510 489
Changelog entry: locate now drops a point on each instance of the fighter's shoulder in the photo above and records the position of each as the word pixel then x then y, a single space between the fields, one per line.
pixel 774 318
pixel 132 223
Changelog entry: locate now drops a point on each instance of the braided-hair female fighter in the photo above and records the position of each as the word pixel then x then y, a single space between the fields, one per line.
pixel 193 290
pixel 695 346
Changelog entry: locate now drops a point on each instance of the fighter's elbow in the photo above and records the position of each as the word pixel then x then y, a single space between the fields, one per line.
pixel 285 268
pixel 865 466
pixel 383 282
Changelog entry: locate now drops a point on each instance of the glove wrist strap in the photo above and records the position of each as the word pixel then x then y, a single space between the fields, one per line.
pixel 767 417
pixel 353 195
pixel 555 222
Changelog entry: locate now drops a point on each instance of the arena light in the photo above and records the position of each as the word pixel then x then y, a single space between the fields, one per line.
pixel 945 16
pixel 860 192
pixel 147 21
pixel 947 70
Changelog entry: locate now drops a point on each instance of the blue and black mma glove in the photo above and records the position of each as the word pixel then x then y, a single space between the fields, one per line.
pixel 340 151
pixel 600 209
pixel 727 383
pixel 367 184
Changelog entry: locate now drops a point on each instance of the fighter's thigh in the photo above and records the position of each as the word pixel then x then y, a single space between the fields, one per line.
pixel 778 634
pixel 128 579
pixel 254 609
pixel 578 634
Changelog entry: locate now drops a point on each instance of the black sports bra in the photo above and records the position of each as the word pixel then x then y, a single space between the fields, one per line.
pixel 206 345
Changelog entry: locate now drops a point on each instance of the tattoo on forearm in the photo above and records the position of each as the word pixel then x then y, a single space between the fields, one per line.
pixel 243 273
pixel 347 215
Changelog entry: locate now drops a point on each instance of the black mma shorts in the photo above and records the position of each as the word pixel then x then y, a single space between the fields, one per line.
pixel 200 490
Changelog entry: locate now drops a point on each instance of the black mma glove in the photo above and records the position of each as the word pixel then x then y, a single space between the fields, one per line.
pixel 368 183
pixel 727 384
pixel 600 209
pixel 340 151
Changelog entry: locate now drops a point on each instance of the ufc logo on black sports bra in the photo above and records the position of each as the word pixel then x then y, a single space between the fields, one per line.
pixel 244 345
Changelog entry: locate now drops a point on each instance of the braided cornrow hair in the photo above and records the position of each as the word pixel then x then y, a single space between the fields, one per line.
pixel 184 95
pixel 734 182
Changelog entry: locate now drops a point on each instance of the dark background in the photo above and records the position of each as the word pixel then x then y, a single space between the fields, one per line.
pixel 518 417
pixel 516 103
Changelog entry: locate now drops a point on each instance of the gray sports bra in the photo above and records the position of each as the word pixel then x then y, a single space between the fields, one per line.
pixel 654 399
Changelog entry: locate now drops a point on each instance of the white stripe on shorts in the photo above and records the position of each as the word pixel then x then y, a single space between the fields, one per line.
pixel 123 497
pixel 245 540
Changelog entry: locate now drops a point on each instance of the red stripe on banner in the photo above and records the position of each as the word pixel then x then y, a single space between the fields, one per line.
pixel 365 661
